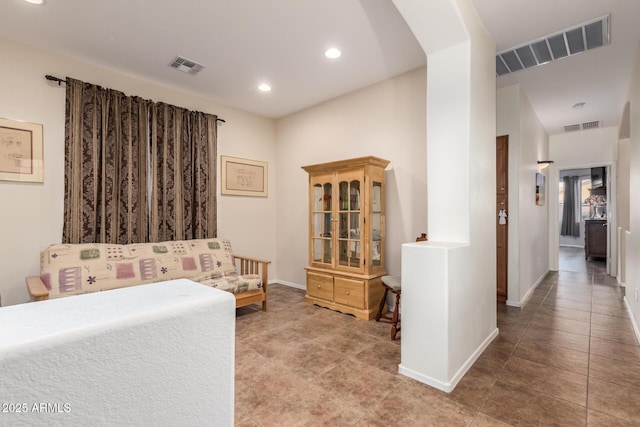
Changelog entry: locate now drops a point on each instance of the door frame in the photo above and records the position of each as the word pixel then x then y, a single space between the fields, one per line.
pixel 612 223
pixel 507 225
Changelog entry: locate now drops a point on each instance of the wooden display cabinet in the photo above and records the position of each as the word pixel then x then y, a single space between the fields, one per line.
pixel 595 238
pixel 347 235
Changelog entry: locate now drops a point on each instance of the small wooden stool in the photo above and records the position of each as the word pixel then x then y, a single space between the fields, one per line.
pixel 391 284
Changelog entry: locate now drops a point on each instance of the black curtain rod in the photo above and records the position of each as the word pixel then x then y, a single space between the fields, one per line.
pixel 60 81
pixel 55 79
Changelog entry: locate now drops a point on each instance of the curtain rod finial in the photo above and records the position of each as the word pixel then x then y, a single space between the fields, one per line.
pixel 55 79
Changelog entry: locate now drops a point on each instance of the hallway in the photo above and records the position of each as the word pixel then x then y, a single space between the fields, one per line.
pixel 569 356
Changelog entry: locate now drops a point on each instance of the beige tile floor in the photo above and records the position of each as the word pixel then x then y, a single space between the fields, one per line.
pixel 569 357
pixel 572 259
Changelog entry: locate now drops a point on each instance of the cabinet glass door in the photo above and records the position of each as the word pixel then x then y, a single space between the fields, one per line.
pixel 376 224
pixel 350 221
pixel 321 222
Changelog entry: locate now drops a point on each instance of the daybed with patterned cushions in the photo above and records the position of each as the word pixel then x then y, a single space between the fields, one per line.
pixel 71 269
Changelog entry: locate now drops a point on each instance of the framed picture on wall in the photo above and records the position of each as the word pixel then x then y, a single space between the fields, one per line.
pixel 540 189
pixel 243 177
pixel 21 151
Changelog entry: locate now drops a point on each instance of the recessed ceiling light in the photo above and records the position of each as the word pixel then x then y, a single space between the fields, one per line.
pixel 263 87
pixel 36 2
pixel 578 106
pixel 332 53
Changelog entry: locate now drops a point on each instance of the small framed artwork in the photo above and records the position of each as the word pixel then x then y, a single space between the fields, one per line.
pixel 243 177
pixel 21 156
pixel 540 189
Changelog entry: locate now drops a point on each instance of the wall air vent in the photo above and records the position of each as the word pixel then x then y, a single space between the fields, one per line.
pixel 583 126
pixel 555 46
pixel 186 65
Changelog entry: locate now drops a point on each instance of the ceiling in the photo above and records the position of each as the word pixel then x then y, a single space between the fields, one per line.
pixel 243 43
pixel 598 77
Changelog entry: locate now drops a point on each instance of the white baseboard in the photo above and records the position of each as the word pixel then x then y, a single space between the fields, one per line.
pixel 633 319
pixel 290 284
pixel 448 387
pixel 526 297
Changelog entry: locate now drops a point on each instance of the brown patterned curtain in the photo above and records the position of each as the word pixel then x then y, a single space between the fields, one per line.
pixel 128 160
pixel 183 170
pixel 106 135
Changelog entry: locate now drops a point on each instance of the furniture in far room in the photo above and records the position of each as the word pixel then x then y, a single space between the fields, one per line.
pixel 71 269
pixel 391 284
pixel 595 238
pixel 347 235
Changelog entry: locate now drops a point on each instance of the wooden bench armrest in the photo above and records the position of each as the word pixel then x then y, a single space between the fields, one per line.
pixel 37 289
pixel 256 266
pixel 263 261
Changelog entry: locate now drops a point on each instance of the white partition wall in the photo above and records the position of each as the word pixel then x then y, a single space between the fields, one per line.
pixel 158 354
pixel 449 283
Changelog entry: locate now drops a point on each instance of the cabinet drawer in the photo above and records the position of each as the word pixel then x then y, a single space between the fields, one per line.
pixel 349 292
pixel 320 286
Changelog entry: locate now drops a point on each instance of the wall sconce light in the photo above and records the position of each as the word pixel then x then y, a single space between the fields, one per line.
pixel 544 163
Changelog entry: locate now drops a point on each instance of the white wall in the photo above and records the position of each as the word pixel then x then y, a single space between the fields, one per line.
pixel 622 205
pixel 386 120
pixel 574 150
pixel 528 223
pixel 31 215
pixel 633 252
pixel 624 170
pixel 157 354
pixel 449 283
pixel 534 219
pixel 584 147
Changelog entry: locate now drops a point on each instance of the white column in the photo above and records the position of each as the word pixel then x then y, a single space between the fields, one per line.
pixel 449 283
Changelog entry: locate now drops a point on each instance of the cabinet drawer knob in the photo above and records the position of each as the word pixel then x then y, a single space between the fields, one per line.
pixel 348 292
pixel 319 286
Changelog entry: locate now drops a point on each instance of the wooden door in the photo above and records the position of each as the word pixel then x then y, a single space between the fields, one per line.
pixel 502 204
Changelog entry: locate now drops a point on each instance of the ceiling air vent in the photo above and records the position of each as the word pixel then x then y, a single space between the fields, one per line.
pixel 590 125
pixel 555 46
pixel 583 126
pixel 186 65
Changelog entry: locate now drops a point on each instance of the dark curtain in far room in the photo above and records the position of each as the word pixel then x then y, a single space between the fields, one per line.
pixel 570 226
